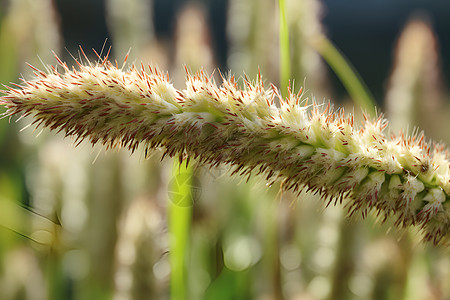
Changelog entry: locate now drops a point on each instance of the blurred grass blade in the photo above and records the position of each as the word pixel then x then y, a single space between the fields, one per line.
pixel 180 216
pixel 285 55
pixel 346 73
pixel 273 249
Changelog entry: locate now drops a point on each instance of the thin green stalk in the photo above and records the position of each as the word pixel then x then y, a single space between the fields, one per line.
pixel 285 55
pixel 180 218
pixel 273 224
pixel 346 73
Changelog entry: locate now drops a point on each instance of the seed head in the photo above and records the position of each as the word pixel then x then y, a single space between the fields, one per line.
pixel 251 129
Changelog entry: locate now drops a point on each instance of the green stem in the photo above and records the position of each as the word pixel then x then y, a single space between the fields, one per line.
pixel 180 218
pixel 346 73
pixel 285 55
pixel 272 225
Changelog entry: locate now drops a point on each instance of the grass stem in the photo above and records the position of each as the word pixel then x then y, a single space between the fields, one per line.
pixel 347 74
pixel 285 55
pixel 180 218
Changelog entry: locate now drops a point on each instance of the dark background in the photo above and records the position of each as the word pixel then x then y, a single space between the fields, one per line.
pixel 365 31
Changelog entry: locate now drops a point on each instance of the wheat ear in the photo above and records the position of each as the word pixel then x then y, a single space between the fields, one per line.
pixel 251 129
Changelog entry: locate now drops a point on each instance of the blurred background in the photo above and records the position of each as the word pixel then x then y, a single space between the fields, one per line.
pixel 84 223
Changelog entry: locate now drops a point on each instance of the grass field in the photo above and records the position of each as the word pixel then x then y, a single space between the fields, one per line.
pixel 86 223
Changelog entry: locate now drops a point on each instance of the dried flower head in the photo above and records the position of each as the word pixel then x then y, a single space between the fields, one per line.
pixel 253 130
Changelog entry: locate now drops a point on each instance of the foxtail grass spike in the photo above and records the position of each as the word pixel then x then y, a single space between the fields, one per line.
pixel 251 129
